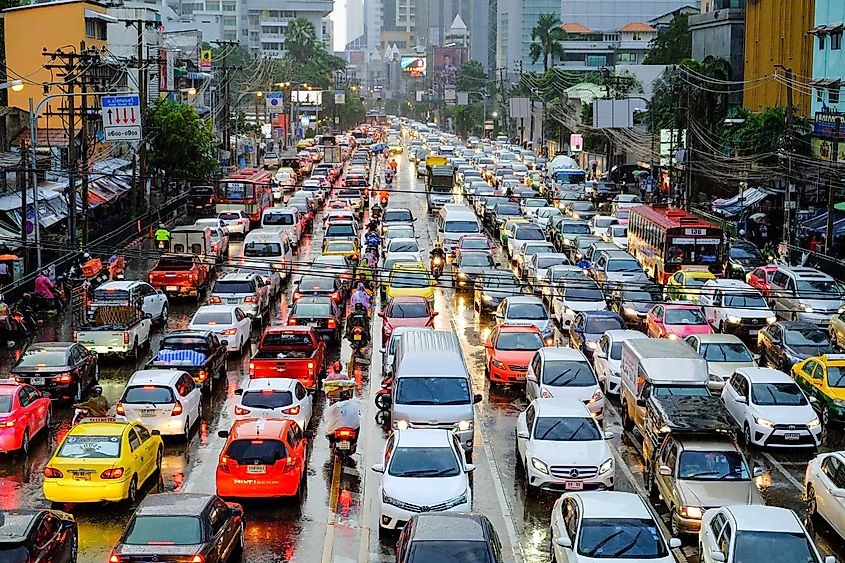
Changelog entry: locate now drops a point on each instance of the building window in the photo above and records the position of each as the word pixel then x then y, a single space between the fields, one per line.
pixel 821 42
pixel 819 95
pixel 212 6
pixel 833 95
pixel 230 21
pixel 637 36
pixel 596 60
pixel 229 7
pixel 626 57
pixel 95 29
pixel 836 41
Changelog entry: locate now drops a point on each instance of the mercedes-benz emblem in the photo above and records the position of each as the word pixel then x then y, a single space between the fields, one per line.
pixel 573 473
pixel 257 462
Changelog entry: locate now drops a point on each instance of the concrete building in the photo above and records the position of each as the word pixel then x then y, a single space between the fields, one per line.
pixel 663 21
pixel 373 22
pixel 482 32
pixel 613 14
pixel 354 19
pixel 516 19
pixel 828 57
pixel 435 17
pixel 720 32
pixel 589 50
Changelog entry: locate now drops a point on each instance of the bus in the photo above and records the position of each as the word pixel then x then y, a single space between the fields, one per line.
pixel 667 239
pixel 249 190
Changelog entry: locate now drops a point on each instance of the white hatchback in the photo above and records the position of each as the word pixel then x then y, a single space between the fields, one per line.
pixel 277 397
pixel 564 373
pixel 166 400
pixel 235 221
pixel 229 322
pixel 824 484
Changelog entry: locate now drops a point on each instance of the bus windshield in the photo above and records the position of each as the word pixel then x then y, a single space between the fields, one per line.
pixel 235 190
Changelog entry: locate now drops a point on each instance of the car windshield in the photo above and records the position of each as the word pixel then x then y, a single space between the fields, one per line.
pixel 781 547
pixel 819 289
pixel 588 294
pixel 549 261
pixel 519 341
pixel 535 202
pixel 340 230
pixel 744 252
pixel 502 282
pixel 230 216
pixel 221 318
pixel 397 216
pixel 531 249
pixel 576 229
pixel 455 551
pixel 409 280
pixel 684 317
pixel 476 259
pixel 529 233
pixel 314 283
pixel 475 244
pixel 408 310
pixel 835 377
pixel 148 394
pixel 725 352
pixel 267 399
pixel 654 295
pixel 712 466
pixel 527 312
pixel 566 429
pixel 777 394
pixel 618 231
pixel 746 301
pixel 43 359
pixel 806 337
pixel 461 227
pixel 233 286
pixel 256 452
pixel 568 373
pixel 433 391
pixel 625 265
pixel 603 221
pixel 340 246
pixel 163 530
pixel 286 339
pixel 403 246
pixel 80 447
pixel 621 538
pixel 399 232
pixel 582 206
pixel 423 462
pixel 507 210
pixel 622 214
pixel 549 212
pixel 600 325
pixel 311 310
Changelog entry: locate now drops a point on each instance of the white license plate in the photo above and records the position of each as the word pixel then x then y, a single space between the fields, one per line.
pixel 344 445
pixel 233 301
pixel 753 332
pixel 148 412
pixel 574 486
pixel 36 381
pixel 81 476
pixel 256 469
pixel 172 288
pixel 791 436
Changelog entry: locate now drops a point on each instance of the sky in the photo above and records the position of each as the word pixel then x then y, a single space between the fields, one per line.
pixel 338 16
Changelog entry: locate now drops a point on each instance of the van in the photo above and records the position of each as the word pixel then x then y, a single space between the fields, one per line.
pixel 196 239
pixel 454 222
pixel 270 246
pixel 285 219
pixel 805 294
pixel 658 366
pixel 431 385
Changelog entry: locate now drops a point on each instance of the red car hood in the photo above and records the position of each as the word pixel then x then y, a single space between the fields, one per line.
pixel 514 357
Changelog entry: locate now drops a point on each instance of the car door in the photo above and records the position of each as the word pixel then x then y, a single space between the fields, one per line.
pixel 571 522
pixel 47 541
pixel 39 408
pixel 219 535
pixel 710 537
pixel 737 387
pixel 243 325
pixel 192 394
pixel 667 456
pixel 84 363
pixel 829 505
pixel 654 322
pixel 524 425
pixel 140 462
pixel 304 400
pixel 576 330
pixel 153 300
pixel 533 377
pixel 600 358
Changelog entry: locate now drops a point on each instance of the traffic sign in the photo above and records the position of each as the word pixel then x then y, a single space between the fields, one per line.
pixel 29 227
pixel 275 102
pixel 121 117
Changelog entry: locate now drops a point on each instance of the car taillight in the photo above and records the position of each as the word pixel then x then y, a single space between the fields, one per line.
pixel 310 367
pixel 113 473
pixel 293 410
pixel 291 322
pixel 177 409
pixel 296 295
pixel 335 296
pixel 198 559
pixel 215 300
pixel 332 323
pixel 251 367
pixel 118 409
pixel 290 463
pixel 115 558
pixel 126 338
pixel 251 299
pixel 52 473
pixel 241 411
pixel 193 277
pixel 19 379
pixel 223 465
pixel 230 331
pixel 63 378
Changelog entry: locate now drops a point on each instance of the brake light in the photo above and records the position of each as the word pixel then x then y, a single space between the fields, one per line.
pixel 230 331
pixel 118 409
pixel 113 473
pixel 251 367
pixel 292 410
pixel 332 323
pixel 296 295
pixel 202 375
pixel 126 338
pixel 335 296
pixel 215 300
pixel 223 465
pixel 251 299
pixel 52 473
pixel 115 558
pixel 63 378
pixel 19 379
pixel 291 322
pixel 177 409
pixel 344 433
pixel 290 463
pixel 241 411
pixel 198 559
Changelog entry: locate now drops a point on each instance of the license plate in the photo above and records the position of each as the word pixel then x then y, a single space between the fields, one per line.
pixel 172 288
pixel 356 337
pixel 574 486
pixel 344 445
pixel 791 436
pixel 753 332
pixel 198 206
pixel 81 476
pixel 147 412
pixel 256 469
pixel 36 381
pixel 233 301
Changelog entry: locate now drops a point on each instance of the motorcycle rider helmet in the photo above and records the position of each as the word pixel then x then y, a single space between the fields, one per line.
pixel 345 395
pixel 360 307
pixel 438 245
pixel 742 232
pixel 86 256
pixel 96 391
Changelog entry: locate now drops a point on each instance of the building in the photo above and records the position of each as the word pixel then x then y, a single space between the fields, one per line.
pixel 354 19
pixel 589 50
pixel 720 32
pixel 328 33
pixel 663 21
pixel 482 32
pixel 778 33
pixel 828 57
pixel 373 22
pixel 613 14
pixel 516 19
pixel 435 17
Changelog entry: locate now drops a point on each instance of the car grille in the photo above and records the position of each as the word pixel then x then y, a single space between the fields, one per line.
pixel 433 508
pixel 431 425
pixel 574 471
pixel 754 322
pixel 518 368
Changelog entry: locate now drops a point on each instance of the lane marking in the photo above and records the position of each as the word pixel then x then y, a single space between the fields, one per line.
pixel 784 471
pixel 335 489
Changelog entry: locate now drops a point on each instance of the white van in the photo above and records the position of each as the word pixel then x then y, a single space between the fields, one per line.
pixel 455 221
pixel 285 219
pixel 270 246
pixel 658 366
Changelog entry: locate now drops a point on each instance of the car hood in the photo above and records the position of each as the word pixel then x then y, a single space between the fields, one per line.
pixel 626 277
pixel 683 331
pixel 710 494
pixel 472 270
pixel 798 414
pixel 805 352
pixel 591 452
pixel 516 357
pixel 638 306
pixel 569 392
pixel 726 369
pixel 424 491
pixel 586 305
pixel 830 306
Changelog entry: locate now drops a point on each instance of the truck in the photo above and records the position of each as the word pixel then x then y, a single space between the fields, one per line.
pixel 194 239
pixel 180 275
pixel 119 328
pixel 433 160
pixel 439 185
pixel 296 352
pixel 200 353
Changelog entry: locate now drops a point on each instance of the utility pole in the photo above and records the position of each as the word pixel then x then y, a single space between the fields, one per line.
pixel 227 109
pixel 688 158
pixel 791 201
pixel 831 188
pixel 23 183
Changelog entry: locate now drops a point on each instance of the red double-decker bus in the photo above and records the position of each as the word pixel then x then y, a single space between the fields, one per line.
pixel 667 239
pixel 248 190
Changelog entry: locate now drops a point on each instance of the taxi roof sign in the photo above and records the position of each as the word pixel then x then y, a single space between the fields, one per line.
pixel 834 357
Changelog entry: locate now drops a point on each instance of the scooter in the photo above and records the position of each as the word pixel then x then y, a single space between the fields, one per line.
pixel 436 267
pixel 382 397
pixel 359 340
pixel 344 440
pixel 78 415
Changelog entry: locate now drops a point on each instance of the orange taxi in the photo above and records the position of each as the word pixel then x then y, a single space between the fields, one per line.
pixel 262 458
pixel 509 350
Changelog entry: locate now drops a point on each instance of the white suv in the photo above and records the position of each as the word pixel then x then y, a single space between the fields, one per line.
pixel 248 291
pixel 607 358
pixel 735 307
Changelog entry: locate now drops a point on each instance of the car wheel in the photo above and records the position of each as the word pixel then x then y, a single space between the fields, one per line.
pixel 187 429
pixel 132 493
pixel 673 524
pixel 25 442
pixel 48 420
pixel 746 435
pixel 159 457
pixel 165 314
pixel 812 505
pixel 825 416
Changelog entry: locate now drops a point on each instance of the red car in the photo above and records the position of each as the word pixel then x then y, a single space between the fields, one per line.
pixel 406 311
pixel 474 242
pixel 761 278
pixel 509 350
pixel 676 321
pixel 24 412
pixel 262 458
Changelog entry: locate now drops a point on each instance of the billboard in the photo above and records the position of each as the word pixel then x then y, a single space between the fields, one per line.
pixel 446 61
pixel 307 97
pixel 414 65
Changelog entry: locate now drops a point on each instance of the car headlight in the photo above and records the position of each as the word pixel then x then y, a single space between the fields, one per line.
pixel 813 423
pixel 387 499
pixel 539 465
pixel 456 501
pixel 400 424
pixel 673 336
pixel 606 466
pixel 839 403
pixel 486 297
pixel 590 344
pixel 694 512
pixel 734 320
pixel 763 422
pixel 630 311
pixel 770 320
pixel 462 275
pixel 498 364
pixel 464 425
pixel 807 308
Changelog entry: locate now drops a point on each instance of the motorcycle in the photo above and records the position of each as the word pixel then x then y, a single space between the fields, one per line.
pixel 78 415
pixel 436 267
pixel 344 440
pixel 382 397
pixel 360 338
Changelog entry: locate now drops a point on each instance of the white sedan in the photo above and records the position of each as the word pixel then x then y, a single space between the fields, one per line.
pixel 406 246
pixel 277 397
pixel 228 321
pixel 235 221
pixel 564 373
pixel 824 484
pixel 166 400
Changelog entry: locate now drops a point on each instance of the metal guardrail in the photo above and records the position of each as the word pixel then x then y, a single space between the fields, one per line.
pixel 827 264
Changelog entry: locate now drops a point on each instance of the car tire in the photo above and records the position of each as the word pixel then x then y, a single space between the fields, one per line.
pixel 833 339
pixel 650 487
pixel 47 422
pixel 746 435
pixel 812 505
pixel 25 442
pixel 159 458
pixel 132 493
pixel 627 423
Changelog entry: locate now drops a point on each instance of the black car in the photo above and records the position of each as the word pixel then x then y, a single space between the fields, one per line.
pixel 741 257
pixel 785 343
pixel 633 303
pixel 502 212
pixel 38 535
pixel 320 312
pixel 198 352
pixel 180 527
pixel 587 327
pixel 454 536
pixel 200 200
pixel 493 286
pixel 580 210
pixel 320 286
pixel 63 369
pixel 468 265
pixel 604 191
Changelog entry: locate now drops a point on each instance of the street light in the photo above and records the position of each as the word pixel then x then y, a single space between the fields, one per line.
pixel 192 91
pixel 13 85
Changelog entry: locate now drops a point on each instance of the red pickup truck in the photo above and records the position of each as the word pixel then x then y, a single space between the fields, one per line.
pixel 180 275
pixel 296 352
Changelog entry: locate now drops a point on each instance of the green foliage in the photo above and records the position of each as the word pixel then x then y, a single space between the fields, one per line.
pixel 764 133
pixel 181 144
pixel 301 39
pixel 546 37
pixel 471 77
pixel 696 85
pixel 672 45
pixel 469 119
pixel 351 113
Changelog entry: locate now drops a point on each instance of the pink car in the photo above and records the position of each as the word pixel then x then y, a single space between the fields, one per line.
pixel 676 320
pixel 475 242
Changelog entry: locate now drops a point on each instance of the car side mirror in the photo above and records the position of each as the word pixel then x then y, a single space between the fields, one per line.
pixel 813 400
pixel 609 435
pixel 223 433
pixel 236 511
pixel 675 543
pixel 717 555
pixel 563 542
pixel 239 391
pixel 665 470
pixel 435 313
pixel 378 468
pixel 155 432
pixel 469 468
pixel 757 471
pixel 742 399
pixel 476 398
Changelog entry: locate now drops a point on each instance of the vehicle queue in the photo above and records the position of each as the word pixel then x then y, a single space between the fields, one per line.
pixel 579 322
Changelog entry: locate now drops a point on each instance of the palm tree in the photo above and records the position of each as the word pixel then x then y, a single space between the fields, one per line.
pixel 300 39
pixel 547 35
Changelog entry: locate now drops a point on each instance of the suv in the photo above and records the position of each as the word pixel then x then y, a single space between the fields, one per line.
pixel 246 290
pixel 805 294
pixel 734 307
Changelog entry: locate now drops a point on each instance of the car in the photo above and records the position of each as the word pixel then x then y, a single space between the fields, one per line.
pixel 562 448
pixel 634 302
pixel 422 470
pixel 262 458
pixel 735 534
pixel 195 527
pixel 836 328
pixel 823 379
pixel 396 215
pixel 785 343
pixel 335 266
pixel 565 232
pixel 320 312
pixel 410 280
pixel 474 242
pixel 544 216
pixel 824 489
pixel 62 369
pixel 165 400
pixel 618 235
pixel 735 307
pixel 561 373
pixel 529 249
pixel 578 246
pixel 248 291
pixel 404 245
pixel 396 230
pixel 38 535
pixel 493 286
pixel 805 294
pixel 686 284
pixel 154 302
pixel 608 526
pixel 587 327
pixel 521 234
pixel 504 231
pixel 742 257
pixel 725 353
pixel 274 397
pixel 468 265
pixel 24 412
pixel 573 295
pixel 600 223
pixel 349 248
pixel 102 460
pixel 761 278
pixel 537 266
pixel 228 322
pixel 580 210
pixel 406 311
pixel 449 537
pixel 320 285
pixel 526 310
pixel 771 409
pixel 676 320
pixel 388 349
pixel 508 351
pixel 607 359
pixel 340 231
pixel 235 221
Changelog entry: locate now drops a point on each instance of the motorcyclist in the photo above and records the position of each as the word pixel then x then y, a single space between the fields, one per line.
pixel 97 405
pixel 438 252
pixel 358 318
pixel 335 372
pixel 44 289
pixel 376 210
pixel 388 175
pixel 361 298
pixel 345 413
pixel 162 237
pixel 383 197
pixel 583 263
pixel 393 165
pixel 4 314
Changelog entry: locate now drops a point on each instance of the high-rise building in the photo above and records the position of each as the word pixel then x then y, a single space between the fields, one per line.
pixel 516 19
pixel 354 19
pixel 435 17
pixel 373 21
pixel 613 14
pixel 482 32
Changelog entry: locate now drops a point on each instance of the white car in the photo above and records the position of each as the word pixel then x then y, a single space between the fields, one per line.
pixel 219 235
pixel 545 214
pixel 555 275
pixel 154 302
pixel 575 296
pixel 607 359
pixel 235 221
pixel 405 246
pixel 538 264
pixel 824 485
pixel 771 409
pixel 247 290
pixel 424 470
pixel 562 448
pixel 607 526
pixel 739 534
pixel 618 235
pixel 725 353
pixel 600 223
pixel 519 310
pixel 277 397
pixel 166 400
pixel 734 307
pixel 229 322
pixel 529 249
pixel 263 269
pixel 522 234
pixel 564 373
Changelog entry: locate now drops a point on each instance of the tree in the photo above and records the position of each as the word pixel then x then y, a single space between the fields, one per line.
pixel 181 144
pixel 547 35
pixel 697 87
pixel 471 77
pixel 301 39
pixel 672 45
pixel 764 133
pixel 468 119
pixel 350 113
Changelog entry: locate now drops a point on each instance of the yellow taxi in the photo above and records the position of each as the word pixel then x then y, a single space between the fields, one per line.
pixel 534 180
pixel 410 280
pixel 350 248
pixel 305 143
pixel 823 377
pixel 686 284
pixel 102 459
pixel 395 146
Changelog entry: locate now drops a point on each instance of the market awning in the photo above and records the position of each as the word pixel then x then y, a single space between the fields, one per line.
pixel 51 206
pixel 742 201
pixel 198 76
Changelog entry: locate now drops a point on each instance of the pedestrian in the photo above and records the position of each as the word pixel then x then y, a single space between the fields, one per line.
pixel 649 186
pixel 5 275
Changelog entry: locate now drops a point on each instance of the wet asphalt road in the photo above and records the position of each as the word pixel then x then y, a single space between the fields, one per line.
pixel 337 519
